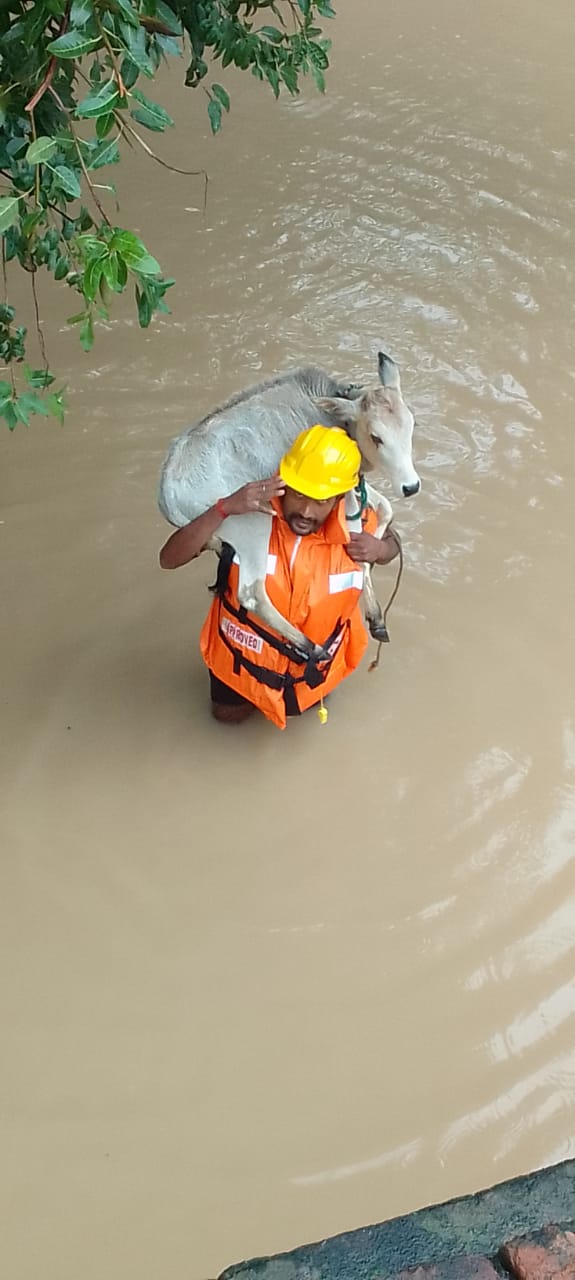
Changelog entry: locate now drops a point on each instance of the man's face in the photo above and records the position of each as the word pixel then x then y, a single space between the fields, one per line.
pixel 306 515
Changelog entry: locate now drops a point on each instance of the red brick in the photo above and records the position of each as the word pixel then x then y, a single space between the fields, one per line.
pixel 546 1255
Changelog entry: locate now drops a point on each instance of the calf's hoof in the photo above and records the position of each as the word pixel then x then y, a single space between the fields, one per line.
pixel 306 651
pixel 320 655
pixel 378 631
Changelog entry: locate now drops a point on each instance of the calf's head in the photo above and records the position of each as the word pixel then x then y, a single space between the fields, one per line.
pixel 382 424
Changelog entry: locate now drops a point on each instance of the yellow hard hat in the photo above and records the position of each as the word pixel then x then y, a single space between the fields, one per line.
pixel 322 462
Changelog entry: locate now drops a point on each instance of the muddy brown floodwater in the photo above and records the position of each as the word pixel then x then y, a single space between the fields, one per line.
pixel 262 987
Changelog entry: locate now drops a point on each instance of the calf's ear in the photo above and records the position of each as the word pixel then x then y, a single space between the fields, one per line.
pixel 338 412
pixel 388 371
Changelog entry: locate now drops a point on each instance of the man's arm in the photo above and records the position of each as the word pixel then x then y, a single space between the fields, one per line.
pixel 367 549
pixel 187 543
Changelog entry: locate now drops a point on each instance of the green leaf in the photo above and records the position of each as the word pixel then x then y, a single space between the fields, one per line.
pixel 81 315
pixel 168 17
pixel 87 334
pixel 8 212
pixel 242 57
pixel 61 269
pixel 304 5
pixel 122 275
pixel 319 78
pixel 30 403
pixel 40 150
pixel 271 33
pixel 10 414
pixel 84 219
pixel 317 54
pixel 169 45
pixel 92 277
pixel 16 145
pixel 221 96
pixel 73 45
pixel 55 405
pixel 104 124
pixel 129 72
pixel 215 114
pixel 38 379
pixel 127 10
pixel 80 12
pixel 67 180
pixel 107 152
pixel 127 241
pixel 289 77
pixel 149 113
pixel 30 222
pixel 272 76
pixel 146 266
pixel 135 43
pixel 99 103
pixel 92 247
pixel 144 308
pixel 5 393
pixel 132 251
pixel 52 238
pixel 20 411
pixel 111 273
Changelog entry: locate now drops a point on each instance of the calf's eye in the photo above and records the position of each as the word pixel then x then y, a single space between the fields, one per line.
pixel 376 439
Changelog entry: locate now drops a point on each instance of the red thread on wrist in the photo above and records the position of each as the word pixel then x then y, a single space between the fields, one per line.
pixel 220 508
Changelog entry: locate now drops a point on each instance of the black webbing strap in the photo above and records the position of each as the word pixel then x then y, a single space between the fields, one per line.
pixel 287 650
pixel 313 675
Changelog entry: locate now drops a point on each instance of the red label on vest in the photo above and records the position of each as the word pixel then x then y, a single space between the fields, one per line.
pixel 239 635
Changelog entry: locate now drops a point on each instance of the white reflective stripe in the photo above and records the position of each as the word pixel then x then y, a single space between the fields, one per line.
pixel 294 552
pixel 345 581
pixel 271 565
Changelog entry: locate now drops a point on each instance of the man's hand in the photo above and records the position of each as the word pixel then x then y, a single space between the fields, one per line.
pixel 187 543
pixel 254 497
pixel 364 548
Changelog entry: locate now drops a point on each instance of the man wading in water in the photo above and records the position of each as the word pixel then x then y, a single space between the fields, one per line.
pixel 312 578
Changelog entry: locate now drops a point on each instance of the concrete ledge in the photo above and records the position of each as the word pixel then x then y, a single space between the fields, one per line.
pixel 476 1225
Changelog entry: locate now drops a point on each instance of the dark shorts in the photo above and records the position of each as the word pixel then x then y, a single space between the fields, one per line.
pixel 223 696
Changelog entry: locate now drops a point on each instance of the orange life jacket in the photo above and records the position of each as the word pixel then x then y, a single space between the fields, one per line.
pixel 316 586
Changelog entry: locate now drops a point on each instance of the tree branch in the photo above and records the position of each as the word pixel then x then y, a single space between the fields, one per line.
pixel 127 131
pixel 9 363
pixel 51 66
pixel 89 182
pixel 112 56
pixel 187 173
pixel 38 325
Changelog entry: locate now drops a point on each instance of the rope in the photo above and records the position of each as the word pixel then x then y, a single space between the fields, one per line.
pixel 374 665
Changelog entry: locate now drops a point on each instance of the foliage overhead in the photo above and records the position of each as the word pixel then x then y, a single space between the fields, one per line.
pixel 71 97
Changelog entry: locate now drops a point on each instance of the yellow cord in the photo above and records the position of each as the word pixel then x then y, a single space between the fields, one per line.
pixel 322 712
